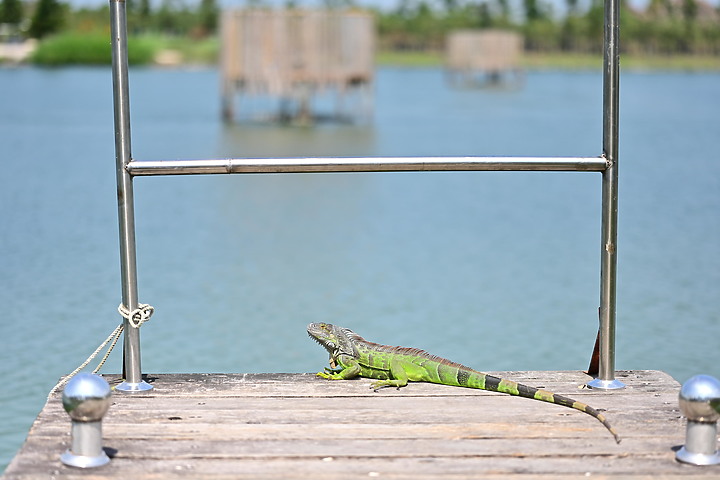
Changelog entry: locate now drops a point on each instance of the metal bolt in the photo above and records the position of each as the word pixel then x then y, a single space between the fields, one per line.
pixel 86 399
pixel 700 403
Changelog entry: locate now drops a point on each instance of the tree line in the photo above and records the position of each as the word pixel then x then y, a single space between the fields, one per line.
pixel 663 27
pixel 40 18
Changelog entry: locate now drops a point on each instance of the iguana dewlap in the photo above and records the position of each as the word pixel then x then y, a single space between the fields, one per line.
pixel 352 356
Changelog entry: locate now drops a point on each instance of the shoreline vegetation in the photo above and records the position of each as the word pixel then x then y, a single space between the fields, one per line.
pixel 168 51
pixel 662 35
pixel 565 61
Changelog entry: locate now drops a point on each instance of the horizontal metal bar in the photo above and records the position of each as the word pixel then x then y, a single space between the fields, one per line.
pixel 367 164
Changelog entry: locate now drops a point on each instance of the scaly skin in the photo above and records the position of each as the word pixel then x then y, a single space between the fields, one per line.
pixel 352 356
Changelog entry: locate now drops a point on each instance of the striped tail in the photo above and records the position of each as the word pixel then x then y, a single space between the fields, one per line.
pixel 495 384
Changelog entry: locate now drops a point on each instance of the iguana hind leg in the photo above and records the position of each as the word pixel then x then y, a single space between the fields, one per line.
pixel 387 383
pixel 398 377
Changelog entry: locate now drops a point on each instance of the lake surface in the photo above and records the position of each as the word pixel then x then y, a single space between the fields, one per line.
pixel 499 271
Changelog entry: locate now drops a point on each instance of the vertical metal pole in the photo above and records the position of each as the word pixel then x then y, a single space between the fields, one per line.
pixel 608 257
pixel 126 214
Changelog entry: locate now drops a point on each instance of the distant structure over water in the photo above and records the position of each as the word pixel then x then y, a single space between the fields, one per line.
pixel 285 59
pixel 483 57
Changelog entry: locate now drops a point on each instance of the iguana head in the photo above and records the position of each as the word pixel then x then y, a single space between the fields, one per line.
pixel 336 340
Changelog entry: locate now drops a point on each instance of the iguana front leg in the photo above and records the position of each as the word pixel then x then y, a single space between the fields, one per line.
pixel 350 368
pixel 398 377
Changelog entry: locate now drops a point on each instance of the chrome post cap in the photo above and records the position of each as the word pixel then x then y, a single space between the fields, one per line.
pixel 86 397
pixel 700 399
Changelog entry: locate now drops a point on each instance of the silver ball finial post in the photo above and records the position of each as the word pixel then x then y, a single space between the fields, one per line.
pixel 700 402
pixel 86 399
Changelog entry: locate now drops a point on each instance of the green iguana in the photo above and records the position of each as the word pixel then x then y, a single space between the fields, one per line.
pixel 352 356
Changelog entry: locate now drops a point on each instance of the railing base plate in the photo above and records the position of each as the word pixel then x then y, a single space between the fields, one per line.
pixel 605 384
pixel 128 387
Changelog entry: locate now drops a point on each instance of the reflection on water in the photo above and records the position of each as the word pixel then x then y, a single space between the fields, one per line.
pixel 256 140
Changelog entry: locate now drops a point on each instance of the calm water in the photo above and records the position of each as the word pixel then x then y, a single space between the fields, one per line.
pixel 495 270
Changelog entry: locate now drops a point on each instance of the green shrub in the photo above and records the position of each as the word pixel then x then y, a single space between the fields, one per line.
pixel 88 49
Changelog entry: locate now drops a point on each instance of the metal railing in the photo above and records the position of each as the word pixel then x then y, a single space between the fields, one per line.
pixel 127 168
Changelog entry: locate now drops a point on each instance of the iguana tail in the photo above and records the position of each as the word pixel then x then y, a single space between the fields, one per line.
pixel 488 382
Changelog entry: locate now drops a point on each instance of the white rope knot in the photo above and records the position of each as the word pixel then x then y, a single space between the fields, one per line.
pixel 137 317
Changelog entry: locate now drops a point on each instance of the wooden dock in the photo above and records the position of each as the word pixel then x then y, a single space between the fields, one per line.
pixel 225 426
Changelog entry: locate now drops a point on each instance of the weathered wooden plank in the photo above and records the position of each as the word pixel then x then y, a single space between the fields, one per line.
pixel 620 405
pixel 613 466
pixel 177 430
pixel 484 444
pixel 569 383
pixel 299 426
pixel 520 413
pixel 361 403
pixel 524 418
